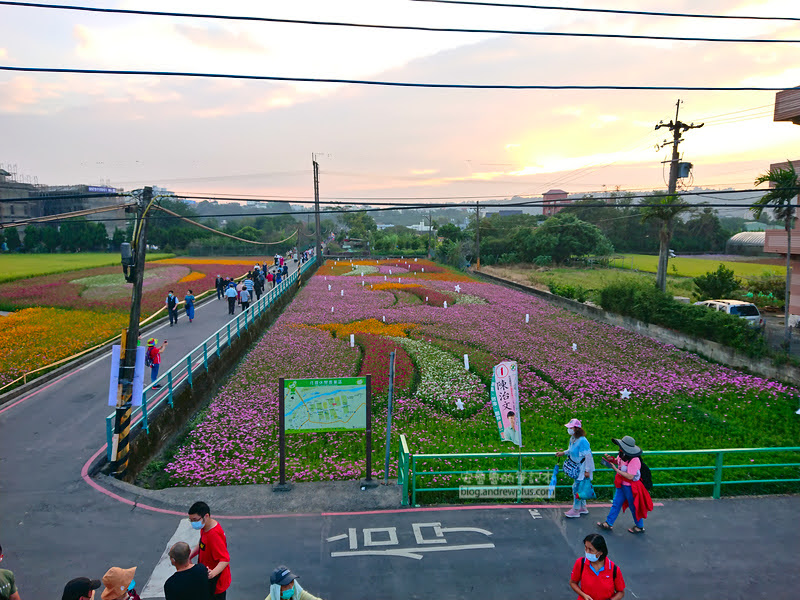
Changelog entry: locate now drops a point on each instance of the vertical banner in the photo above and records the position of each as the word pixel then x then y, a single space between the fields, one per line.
pixel 113 384
pixel 505 401
pixel 138 376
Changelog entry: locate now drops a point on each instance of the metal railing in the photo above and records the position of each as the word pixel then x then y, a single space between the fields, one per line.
pixel 198 358
pixel 408 473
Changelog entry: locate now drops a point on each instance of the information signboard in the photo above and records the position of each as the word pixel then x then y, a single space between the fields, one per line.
pixel 330 404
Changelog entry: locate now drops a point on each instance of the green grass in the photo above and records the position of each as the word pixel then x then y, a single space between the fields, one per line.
pixel 693 267
pixel 594 280
pixel 22 266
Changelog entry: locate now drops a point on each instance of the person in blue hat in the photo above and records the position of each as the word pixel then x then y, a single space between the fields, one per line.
pixel 283 585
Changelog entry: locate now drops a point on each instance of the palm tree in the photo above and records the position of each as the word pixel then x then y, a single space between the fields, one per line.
pixel 664 210
pixel 781 200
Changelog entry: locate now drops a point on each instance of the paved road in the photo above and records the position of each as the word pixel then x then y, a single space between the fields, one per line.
pixel 53 526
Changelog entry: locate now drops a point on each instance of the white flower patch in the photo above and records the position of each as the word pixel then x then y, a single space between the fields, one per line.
pixel 362 270
pixel 469 299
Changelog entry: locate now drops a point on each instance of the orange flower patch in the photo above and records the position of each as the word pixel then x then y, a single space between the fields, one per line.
pixel 373 326
pixel 194 276
pixel 34 337
pixel 393 286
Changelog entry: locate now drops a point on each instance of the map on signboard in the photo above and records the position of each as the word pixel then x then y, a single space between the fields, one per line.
pixel 336 404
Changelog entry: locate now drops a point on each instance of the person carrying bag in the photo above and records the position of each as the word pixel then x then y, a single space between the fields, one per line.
pixel 579 466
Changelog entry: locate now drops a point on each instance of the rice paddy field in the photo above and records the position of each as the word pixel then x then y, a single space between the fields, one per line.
pixel 677 400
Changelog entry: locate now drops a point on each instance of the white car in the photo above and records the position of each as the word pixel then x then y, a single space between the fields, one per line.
pixel 744 310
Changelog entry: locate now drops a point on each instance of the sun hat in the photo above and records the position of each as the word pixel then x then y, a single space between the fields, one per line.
pixel 80 587
pixel 573 423
pixel 282 576
pixel 116 581
pixel 628 444
pixel 152 342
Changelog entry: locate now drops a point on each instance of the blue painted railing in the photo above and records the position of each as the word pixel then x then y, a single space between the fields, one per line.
pixel 181 372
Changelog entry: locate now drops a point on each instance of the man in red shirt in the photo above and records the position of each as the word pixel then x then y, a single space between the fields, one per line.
pixel 212 550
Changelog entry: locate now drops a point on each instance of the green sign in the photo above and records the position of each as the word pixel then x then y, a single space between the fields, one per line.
pixel 332 404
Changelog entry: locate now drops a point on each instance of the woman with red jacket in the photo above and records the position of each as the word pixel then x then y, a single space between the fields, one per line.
pixel 630 490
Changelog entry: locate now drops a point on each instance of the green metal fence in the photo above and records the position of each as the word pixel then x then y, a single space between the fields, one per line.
pixel 414 467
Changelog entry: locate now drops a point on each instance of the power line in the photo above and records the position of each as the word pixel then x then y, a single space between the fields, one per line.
pixel 395 27
pixel 64 216
pixel 612 11
pixel 407 84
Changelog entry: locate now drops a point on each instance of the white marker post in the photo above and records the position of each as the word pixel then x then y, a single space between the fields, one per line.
pixel 329 287
pixel 352 340
pixel 384 318
pixel 445 304
pixel 331 309
pixel 466 362
pixel 527 317
pixel 342 293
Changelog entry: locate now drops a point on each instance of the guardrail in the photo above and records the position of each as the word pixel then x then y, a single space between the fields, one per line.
pixel 198 358
pixel 408 473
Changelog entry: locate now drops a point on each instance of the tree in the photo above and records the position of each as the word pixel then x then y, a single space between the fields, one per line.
pixel 717 284
pixel 564 235
pixel 663 210
pixel 12 239
pixel 117 239
pixel 780 199
pixel 450 232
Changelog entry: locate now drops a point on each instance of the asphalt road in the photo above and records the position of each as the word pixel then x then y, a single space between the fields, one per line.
pixel 54 526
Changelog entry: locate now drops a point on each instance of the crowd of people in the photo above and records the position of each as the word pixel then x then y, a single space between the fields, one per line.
pixel 207 579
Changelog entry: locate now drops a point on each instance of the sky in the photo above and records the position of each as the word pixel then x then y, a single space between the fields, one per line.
pixel 226 137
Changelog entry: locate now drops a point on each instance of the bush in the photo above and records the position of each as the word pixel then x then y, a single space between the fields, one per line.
pixel 647 303
pixel 543 260
pixel 767 284
pixel 717 284
pixel 574 292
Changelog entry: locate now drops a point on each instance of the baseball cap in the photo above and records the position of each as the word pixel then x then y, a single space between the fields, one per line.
pixel 79 587
pixel 116 581
pixel 282 576
pixel 574 423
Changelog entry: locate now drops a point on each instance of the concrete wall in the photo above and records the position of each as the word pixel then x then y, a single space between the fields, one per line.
pixel 711 350
pixel 168 422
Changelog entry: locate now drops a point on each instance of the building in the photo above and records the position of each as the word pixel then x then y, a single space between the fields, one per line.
pixel 747 243
pixel 787 108
pixel 553 201
pixel 19 209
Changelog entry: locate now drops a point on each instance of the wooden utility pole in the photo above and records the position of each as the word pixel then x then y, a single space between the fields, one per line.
pixel 316 209
pixel 130 341
pixel 478 234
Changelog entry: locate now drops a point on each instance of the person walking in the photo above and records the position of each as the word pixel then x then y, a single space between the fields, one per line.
pixel 212 551
pixel 188 300
pixel 277 279
pixel 283 586
pixel 630 490
pixel 190 581
pixel 172 308
pixel 594 575
pixel 248 283
pixel 244 298
pixel 230 294
pixel 80 588
pixel 120 584
pixel 220 283
pixel 154 358
pixel 580 454
pixel 270 279
pixel 8 583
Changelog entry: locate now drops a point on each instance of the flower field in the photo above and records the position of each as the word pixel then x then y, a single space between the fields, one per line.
pixel 91 304
pixel 677 401
pixel 34 337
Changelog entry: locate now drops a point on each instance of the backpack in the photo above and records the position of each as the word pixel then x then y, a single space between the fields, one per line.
pixel 148 358
pixel 646 477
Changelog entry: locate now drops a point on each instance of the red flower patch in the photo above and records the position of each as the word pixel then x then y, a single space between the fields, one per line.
pixel 376 363
pixel 430 296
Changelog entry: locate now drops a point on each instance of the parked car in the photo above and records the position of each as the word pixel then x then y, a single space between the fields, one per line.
pixel 744 310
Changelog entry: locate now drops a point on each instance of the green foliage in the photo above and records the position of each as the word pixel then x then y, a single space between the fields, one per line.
pixel 717 284
pixel 12 239
pixel 574 292
pixel 564 235
pixel 543 260
pixel 450 232
pixel 647 303
pixel 767 284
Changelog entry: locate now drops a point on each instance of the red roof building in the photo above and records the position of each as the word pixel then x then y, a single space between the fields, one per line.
pixel 554 201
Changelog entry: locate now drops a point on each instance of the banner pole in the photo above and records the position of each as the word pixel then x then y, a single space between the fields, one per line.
pixel 389 419
pixel 281 487
pixel 369 482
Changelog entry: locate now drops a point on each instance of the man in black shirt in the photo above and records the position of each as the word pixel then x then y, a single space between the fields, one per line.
pixel 190 581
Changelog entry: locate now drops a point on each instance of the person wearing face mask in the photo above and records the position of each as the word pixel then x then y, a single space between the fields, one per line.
pixel 172 308
pixel 120 584
pixel 283 585
pixel 630 490
pixel 595 576
pixel 580 452
pixel 190 581
pixel 212 549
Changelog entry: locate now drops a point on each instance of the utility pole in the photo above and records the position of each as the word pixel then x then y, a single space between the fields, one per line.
pixel 677 128
pixel 430 231
pixel 316 208
pixel 130 338
pixel 478 234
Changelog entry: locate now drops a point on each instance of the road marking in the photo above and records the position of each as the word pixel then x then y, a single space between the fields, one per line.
pixel 154 588
pixel 350 535
pixel 390 541
pixel 534 513
pixel 414 553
